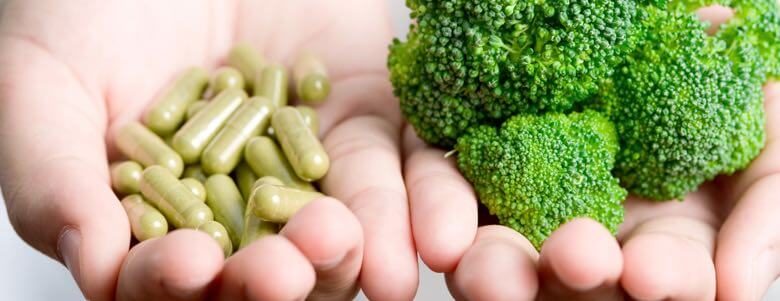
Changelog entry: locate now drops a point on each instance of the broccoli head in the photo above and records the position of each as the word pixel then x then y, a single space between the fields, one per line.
pixel 687 107
pixel 539 171
pixel 470 62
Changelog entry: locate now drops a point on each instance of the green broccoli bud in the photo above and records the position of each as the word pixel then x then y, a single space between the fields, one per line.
pixel 470 62
pixel 538 172
pixel 687 107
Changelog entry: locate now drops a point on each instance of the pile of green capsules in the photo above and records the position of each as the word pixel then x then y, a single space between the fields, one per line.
pixel 233 166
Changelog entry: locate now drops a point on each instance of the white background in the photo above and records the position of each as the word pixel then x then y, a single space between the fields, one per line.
pixel 27 275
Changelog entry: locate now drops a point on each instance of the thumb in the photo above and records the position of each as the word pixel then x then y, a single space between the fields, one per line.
pixel 55 176
pixel 70 214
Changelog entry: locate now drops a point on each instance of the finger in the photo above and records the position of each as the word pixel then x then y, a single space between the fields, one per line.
pixel 670 258
pixel 271 268
pixel 746 262
pixel 178 266
pixel 747 258
pixel 668 251
pixel 581 261
pixel 55 175
pixel 443 209
pixel 365 174
pixel 500 265
pixel 330 237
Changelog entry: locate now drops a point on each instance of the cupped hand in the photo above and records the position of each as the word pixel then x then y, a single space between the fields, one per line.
pixel 75 71
pixel 663 251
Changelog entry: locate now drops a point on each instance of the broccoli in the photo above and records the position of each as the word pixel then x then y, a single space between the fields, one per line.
pixel 471 62
pixel 756 24
pixel 538 172
pixel 687 107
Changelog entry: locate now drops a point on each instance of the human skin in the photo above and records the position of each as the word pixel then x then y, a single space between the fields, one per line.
pixel 76 71
pixel 663 251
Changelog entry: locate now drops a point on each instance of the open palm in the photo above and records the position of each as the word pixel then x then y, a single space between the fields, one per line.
pixel 74 71
pixel 664 251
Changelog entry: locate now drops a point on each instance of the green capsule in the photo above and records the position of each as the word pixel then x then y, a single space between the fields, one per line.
pixel 167 113
pixel 224 199
pixel 272 84
pixel 194 135
pixel 125 177
pixel 146 222
pixel 195 172
pixel 224 78
pixel 255 228
pixel 305 152
pixel 311 79
pixel 247 60
pixel 245 178
pixel 278 203
pixel 163 190
pixel 194 108
pixel 266 159
pixel 196 187
pixel 218 232
pixel 310 118
pixel 141 145
pixel 224 151
pixel 267 180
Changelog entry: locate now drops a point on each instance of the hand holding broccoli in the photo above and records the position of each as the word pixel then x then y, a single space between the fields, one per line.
pixel 686 108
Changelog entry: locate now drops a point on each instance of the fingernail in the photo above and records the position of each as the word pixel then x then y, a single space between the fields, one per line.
pixel 68 249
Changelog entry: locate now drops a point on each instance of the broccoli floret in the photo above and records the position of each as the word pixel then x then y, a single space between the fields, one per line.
pixel 756 24
pixel 687 107
pixel 538 172
pixel 470 62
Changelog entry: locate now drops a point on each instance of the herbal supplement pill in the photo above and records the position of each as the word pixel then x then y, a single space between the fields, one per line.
pixel 311 79
pixel 300 145
pixel 196 187
pixel 247 60
pixel 245 178
pixel 125 177
pixel 163 190
pixel 224 151
pixel 310 118
pixel 195 172
pixel 145 221
pixel 255 228
pixel 267 180
pixel 141 145
pixel 266 159
pixel 194 135
pixel 218 233
pixel 194 108
pixel 167 113
pixel 224 199
pixel 278 203
pixel 226 77
pixel 272 84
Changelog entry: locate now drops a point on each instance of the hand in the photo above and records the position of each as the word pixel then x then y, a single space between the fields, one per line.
pixel 664 251
pixel 74 72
